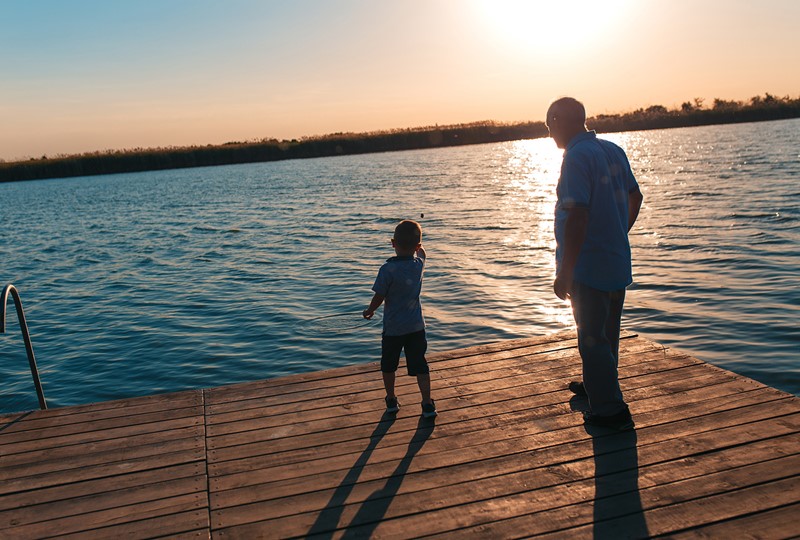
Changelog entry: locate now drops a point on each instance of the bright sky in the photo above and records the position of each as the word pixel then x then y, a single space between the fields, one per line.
pixel 85 75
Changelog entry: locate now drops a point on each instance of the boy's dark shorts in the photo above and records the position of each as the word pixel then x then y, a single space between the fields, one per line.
pixel 415 345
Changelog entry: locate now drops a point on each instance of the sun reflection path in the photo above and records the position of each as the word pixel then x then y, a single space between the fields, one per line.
pixel 528 179
pixel 532 173
pixel 534 167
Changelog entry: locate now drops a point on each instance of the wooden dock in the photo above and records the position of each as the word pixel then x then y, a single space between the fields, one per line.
pixel 714 455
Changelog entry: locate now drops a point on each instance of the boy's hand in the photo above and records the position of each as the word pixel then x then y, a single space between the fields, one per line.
pixel 421 252
pixel 377 300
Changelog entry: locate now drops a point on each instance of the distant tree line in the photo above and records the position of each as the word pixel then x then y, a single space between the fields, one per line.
pixel 690 113
pixel 693 113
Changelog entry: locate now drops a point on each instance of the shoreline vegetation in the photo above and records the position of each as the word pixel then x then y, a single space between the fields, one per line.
pixel 690 114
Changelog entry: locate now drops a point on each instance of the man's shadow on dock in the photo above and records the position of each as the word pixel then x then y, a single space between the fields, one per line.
pixel 374 508
pixel 618 509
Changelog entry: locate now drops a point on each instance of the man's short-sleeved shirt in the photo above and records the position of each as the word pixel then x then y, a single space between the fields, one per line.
pixel 596 174
pixel 399 281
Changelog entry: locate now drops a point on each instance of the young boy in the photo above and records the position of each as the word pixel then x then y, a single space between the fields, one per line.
pixel 399 284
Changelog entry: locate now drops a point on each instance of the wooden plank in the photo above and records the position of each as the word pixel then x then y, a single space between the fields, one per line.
pixel 101 486
pixel 558 511
pixel 198 534
pixel 259 393
pixel 429 494
pixel 99 447
pixel 268 395
pixel 781 522
pixel 532 511
pixel 570 444
pixel 87 415
pixel 121 404
pixel 365 372
pixel 78 459
pixel 657 466
pixel 218 395
pixel 8 420
pixel 464 415
pixel 77 506
pixel 312 455
pixel 173 522
pixel 33 444
pixel 103 425
pixel 698 512
pixel 471 469
pixel 189 535
pixel 305 435
pixel 446 385
pixel 494 391
pixel 103 519
pixel 477 417
pixel 249 431
pixel 107 471
pixel 162 461
pixel 549 446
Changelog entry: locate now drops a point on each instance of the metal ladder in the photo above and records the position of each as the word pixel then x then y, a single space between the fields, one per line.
pixel 25 335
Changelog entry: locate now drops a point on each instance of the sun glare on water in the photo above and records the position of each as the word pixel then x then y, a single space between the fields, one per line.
pixel 542 26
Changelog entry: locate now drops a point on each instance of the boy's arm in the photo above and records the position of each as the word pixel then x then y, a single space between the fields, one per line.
pixel 377 300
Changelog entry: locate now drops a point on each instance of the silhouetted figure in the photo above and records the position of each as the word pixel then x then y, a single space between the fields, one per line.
pixel 598 203
pixel 399 285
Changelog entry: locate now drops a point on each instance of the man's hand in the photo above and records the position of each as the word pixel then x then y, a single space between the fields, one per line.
pixel 574 235
pixel 368 314
pixel 635 199
pixel 562 285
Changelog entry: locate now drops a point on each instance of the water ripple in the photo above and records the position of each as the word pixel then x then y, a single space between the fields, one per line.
pixel 156 282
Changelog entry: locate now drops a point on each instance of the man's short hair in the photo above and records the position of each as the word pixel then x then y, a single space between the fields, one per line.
pixel 569 109
pixel 408 234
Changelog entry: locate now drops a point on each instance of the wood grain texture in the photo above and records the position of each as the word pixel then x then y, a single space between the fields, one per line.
pixel 313 455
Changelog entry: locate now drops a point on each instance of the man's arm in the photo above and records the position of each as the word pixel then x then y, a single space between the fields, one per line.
pixel 575 234
pixel 635 199
pixel 377 300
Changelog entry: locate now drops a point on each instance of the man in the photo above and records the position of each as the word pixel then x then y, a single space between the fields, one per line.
pixel 598 203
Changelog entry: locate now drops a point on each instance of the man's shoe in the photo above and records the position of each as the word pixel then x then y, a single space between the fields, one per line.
pixel 621 421
pixel 577 388
pixel 429 409
pixel 392 405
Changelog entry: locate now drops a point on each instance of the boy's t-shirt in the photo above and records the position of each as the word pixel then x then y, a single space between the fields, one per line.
pixel 399 281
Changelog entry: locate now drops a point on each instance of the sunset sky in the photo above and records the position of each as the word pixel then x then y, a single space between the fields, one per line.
pixel 85 75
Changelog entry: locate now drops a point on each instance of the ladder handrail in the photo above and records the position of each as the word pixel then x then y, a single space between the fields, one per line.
pixel 25 335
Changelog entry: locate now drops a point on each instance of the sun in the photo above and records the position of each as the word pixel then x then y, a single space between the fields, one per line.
pixel 546 25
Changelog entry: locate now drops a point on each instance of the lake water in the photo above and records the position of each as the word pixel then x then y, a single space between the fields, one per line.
pixel 142 283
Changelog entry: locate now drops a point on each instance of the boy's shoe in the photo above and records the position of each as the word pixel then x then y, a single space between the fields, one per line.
pixel 392 405
pixel 621 421
pixel 429 409
pixel 577 388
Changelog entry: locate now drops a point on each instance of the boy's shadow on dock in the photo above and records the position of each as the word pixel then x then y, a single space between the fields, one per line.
pixel 618 509
pixel 374 508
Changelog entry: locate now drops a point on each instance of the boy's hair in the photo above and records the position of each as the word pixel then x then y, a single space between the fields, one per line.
pixel 408 234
